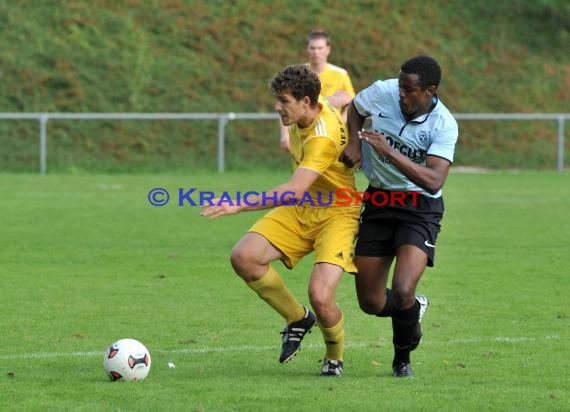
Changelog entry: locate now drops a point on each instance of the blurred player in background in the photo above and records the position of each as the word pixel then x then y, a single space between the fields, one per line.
pixel 290 232
pixel 409 147
pixel 336 85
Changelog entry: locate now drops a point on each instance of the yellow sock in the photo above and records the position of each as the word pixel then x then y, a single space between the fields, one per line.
pixel 334 340
pixel 271 289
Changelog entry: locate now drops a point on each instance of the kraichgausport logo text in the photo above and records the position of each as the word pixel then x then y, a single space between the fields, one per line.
pixel 340 197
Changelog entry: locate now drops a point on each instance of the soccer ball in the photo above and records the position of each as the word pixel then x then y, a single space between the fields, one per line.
pixel 127 360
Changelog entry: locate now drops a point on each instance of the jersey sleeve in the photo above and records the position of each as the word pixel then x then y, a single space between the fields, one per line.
pixel 443 144
pixel 367 100
pixel 319 153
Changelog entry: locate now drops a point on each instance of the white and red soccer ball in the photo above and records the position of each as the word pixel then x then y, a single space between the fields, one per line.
pixel 127 360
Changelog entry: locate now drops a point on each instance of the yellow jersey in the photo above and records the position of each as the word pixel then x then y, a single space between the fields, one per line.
pixel 335 79
pixel 318 148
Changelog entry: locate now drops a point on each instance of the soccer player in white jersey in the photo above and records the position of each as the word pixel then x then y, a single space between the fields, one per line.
pixel 408 147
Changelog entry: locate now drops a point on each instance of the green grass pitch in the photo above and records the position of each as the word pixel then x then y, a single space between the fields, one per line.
pixel 86 260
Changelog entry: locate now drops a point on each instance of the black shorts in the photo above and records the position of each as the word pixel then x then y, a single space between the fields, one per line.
pixel 392 220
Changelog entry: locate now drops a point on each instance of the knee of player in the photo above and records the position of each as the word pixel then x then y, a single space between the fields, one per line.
pixel 367 306
pixel 240 259
pixel 403 296
pixel 320 299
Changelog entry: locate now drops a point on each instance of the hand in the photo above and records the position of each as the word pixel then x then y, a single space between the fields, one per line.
pixel 217 210
pixel 352 155
pixel 376 140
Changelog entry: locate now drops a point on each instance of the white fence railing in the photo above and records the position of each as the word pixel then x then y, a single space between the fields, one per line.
pixel 224 118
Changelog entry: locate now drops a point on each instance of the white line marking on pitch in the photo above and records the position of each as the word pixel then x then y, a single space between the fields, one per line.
pixel 247 348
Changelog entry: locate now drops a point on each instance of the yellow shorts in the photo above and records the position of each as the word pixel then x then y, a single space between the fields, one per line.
pixel 299 230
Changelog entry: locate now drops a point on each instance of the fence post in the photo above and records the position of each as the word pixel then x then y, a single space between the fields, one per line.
pixel 222 120
pixel 43 142
pixel 560 162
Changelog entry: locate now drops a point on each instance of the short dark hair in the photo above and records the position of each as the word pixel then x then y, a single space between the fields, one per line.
pixel 426 68
pixel 298 80
pixel 318 34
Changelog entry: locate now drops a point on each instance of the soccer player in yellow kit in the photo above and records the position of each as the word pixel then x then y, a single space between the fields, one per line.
pixel 304 218
pixel 336 85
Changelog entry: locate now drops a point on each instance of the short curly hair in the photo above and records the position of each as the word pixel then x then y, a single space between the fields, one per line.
pixel 298 80
pixel 427 69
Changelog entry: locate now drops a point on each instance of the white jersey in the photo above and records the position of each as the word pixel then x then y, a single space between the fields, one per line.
pixel 434 134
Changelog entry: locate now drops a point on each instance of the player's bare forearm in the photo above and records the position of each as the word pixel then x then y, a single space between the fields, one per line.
pixel 340 99
pixel 351 156
pixel 283 194
pixel 430 177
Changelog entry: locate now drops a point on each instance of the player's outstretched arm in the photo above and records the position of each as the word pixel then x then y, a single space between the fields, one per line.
pixel 283 194
pixel 352 156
